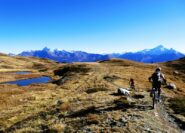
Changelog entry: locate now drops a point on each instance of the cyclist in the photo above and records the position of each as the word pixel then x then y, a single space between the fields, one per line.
pixel 157 78
pixel 132 83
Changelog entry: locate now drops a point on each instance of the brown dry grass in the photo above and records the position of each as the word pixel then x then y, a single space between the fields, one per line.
pixel 65 107
pixel 93 119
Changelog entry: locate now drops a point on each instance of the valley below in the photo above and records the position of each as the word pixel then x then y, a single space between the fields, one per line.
pixel 82 97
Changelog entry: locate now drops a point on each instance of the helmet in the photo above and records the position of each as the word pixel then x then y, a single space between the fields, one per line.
pixel 158 69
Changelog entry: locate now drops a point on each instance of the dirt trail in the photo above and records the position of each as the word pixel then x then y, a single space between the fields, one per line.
pixel 161 112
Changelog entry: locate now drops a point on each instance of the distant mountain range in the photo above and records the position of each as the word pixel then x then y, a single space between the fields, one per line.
pixel 157 54
pixel 65 56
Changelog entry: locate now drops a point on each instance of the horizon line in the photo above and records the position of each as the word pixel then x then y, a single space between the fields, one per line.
pixel 104 53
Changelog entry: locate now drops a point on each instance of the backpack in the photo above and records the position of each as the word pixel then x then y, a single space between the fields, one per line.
pixel 157 77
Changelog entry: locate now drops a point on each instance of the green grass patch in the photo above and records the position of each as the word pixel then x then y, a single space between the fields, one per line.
pixel 178 105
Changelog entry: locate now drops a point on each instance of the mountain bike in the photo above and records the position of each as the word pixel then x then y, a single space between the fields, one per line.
pixel 155 97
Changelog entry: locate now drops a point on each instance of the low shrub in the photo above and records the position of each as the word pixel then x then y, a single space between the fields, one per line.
pixel 92 119
pixel 123 103
pixel 178 105
pixel 68 69
pixel 94 90
pixel 65 107
pixel 138 96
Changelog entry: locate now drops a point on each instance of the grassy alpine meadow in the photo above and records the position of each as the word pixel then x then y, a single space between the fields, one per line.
pixel 83 97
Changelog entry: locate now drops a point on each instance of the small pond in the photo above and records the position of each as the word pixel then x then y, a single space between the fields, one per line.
pixel 25 82
pixel 18 72
pixel 23 72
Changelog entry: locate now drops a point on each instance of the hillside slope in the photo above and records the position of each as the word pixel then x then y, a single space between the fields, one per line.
pixel 177 65
pixel 11 64
pixel 17 62
pixel 83 98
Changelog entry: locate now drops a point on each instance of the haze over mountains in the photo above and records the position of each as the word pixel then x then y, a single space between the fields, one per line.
pixel 157 54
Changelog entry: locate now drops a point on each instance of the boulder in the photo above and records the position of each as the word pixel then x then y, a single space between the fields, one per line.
pixel 171 86
pixel 175 72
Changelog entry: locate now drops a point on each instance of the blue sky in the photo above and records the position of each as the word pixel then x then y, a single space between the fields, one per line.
pixel 99 26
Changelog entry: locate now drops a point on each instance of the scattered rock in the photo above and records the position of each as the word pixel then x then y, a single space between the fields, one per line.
pixel 114 123
pixel 171 86
pixel 123 119
pixel 176 72
pixel 58 102
pixel 147 129
pixel 134 117
pixel 68 129
pixel 86 130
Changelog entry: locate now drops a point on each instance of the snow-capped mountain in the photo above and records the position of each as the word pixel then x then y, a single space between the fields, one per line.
pixel 157 54
pixel 157 51
pixel 65 56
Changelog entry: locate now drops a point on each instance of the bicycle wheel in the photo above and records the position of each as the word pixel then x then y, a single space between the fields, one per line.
pixel 155 99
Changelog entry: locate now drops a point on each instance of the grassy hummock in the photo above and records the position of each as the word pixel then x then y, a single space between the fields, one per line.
pixel 178 105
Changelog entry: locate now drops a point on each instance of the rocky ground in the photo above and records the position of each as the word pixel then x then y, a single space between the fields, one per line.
pixel 83 98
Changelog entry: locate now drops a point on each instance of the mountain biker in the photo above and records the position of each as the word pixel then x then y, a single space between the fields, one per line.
pixel 157 78
pixel 132 83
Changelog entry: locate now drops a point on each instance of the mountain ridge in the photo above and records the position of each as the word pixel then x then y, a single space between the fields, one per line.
pixel 156 54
